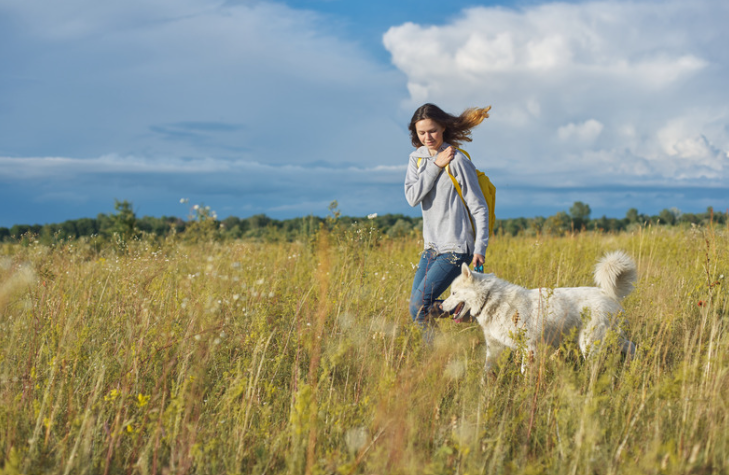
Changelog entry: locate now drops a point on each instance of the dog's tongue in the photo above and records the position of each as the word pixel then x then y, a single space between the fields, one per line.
pixel 459 307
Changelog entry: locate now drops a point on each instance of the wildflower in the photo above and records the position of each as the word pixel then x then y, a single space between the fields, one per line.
pixel 142 400
pixel 113 394
pixel 184 200
pixel 701 303
pixel 372 216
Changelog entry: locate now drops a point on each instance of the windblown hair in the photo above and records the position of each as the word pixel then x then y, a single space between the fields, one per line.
pixel 457 128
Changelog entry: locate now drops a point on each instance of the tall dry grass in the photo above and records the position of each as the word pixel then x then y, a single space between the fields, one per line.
pixel 207 357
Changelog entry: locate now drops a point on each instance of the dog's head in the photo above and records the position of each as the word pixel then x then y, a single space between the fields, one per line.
pixel 468 293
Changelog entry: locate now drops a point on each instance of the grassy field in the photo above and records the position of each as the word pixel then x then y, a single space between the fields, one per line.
pixel 227 358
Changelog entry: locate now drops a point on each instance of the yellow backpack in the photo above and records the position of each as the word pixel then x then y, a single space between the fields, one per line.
pixel 487 188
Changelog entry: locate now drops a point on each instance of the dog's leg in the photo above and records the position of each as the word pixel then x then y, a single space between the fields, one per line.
pixel 627 348
pixel 489 371
pixel 527 358
pixel 592 337
pixel 493 351
pixel 490 359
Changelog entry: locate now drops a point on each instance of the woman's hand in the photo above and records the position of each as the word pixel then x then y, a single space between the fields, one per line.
pixel 478 260
pixel 445 157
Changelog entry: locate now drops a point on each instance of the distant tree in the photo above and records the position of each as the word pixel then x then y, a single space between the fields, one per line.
pixel 689 218
pixel 558 224
pixel 511 226
pixel 580 215
pixel 230 222
pixel 68 230
pixel 233 233
pixel 400 228
pixel 668 216
pixel 4 234
pixel 258 221
pixel 87 227
pixel 124 222
pixel 535 226
pixel 157 226
pixel 608 224
pixel 632 217
pixel 104 223
pixel 712 216
pixel 19 230
pixel 49 234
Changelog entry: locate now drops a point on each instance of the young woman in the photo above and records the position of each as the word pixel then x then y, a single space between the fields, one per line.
pixel 449 238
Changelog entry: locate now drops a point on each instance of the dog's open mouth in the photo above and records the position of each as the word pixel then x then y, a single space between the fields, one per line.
pixel 462 316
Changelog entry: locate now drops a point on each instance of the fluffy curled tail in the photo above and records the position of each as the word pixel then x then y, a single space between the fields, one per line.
pixel 615 274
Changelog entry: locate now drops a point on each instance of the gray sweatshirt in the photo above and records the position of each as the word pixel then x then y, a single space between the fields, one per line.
pixel 446 227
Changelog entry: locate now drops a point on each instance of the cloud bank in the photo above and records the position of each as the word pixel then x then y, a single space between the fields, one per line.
pixel 593 94
pixel 256 107
pixel 188 98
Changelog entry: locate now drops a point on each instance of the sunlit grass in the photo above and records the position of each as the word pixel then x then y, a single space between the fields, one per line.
pixel 204 357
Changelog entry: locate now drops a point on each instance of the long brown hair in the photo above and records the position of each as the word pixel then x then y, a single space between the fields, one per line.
pixel 457 128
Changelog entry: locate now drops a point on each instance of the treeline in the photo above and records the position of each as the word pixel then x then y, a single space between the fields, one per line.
pixel 124 225
pixel 578 219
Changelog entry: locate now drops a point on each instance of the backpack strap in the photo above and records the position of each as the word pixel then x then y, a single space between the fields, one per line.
pixel 457 186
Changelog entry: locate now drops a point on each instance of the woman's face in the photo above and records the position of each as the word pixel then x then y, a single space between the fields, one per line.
pixel 430 133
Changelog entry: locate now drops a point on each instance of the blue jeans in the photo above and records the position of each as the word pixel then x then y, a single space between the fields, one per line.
pixel 435 273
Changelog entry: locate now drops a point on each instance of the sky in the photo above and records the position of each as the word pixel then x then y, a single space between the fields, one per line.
pixel 281 107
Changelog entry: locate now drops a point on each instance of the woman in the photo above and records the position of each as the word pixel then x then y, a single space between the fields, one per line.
pixel 449 238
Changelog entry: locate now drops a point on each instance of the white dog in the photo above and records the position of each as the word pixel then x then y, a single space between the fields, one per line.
pixel 505 310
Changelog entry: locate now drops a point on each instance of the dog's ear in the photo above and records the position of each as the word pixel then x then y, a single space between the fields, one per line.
pixel 465 271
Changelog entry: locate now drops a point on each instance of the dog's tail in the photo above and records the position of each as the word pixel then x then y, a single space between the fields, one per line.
pixel 615 274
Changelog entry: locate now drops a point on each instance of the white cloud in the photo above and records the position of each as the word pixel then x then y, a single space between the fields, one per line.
pixel 606 91
pixel 584 132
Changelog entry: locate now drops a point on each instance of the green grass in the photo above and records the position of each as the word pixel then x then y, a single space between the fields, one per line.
pixel 226 358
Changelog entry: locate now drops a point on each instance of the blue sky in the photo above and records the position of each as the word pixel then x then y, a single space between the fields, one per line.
pixel 253 106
